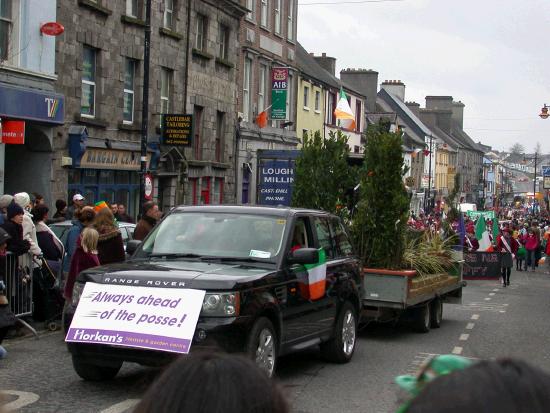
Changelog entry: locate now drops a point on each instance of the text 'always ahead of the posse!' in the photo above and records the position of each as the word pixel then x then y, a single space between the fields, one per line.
pixel 145 317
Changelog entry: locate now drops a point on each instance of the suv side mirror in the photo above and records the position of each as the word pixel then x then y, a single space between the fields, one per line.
pixel 304 256
pixel 132 246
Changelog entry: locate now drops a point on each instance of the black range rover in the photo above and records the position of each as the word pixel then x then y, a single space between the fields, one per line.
pixel 251 261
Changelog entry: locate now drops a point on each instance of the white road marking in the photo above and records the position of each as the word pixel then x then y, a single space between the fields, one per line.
pixel 502 311
pixel 464 337
pixel 496 290
pixel 475 317
pixel 457 350
pixel 24 398
pixel 491 294
pixel 121 407
pixel 488 299
pixel 470 326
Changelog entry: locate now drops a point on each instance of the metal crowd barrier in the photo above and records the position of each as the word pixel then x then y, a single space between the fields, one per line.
pixel 19 284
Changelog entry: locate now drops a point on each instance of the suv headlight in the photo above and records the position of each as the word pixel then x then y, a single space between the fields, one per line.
pixel 220 305
pixel 77 292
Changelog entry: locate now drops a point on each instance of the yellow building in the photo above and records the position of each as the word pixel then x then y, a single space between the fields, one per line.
pixel 310 106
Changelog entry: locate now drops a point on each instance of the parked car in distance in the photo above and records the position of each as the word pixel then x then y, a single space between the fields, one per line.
pixel 61 229
pixel 259 299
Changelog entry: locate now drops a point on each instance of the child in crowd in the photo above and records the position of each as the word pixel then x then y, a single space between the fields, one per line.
pixel 84 257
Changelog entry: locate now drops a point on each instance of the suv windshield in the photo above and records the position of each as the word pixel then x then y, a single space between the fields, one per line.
pixel 216 235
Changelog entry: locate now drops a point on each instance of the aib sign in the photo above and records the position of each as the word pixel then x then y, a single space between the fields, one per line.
pixel 276 178
pixel 279 86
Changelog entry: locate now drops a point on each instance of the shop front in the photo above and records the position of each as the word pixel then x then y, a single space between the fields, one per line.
pixel 104 171
pixel 27 119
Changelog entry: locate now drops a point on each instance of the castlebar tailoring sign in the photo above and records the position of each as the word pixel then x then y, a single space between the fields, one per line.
pixel 177 130
pixel 279 86
pixel 110 159
pixel 13 132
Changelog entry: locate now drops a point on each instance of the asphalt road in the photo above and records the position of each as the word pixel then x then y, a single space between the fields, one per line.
pixel 493 322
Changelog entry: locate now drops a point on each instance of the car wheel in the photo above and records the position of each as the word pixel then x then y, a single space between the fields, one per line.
pixel 421 319
pixel 93 372
pixel 340 348
pixel 436 313
pixel 262 345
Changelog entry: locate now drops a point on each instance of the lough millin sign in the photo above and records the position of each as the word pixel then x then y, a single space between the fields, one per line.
pixel 177 130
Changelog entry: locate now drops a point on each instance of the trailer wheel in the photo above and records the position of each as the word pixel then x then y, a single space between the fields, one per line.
pixel 436 313
pixel 421 319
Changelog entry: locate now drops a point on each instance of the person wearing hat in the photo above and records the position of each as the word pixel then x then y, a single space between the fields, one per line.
pixel 7 318
pixel 508 247
pixel 5 200
pixel 29 229
pixel 16 244
pixel 78 203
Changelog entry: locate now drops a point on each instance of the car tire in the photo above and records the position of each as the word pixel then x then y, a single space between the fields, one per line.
pixel 93 372
pixel 340 348
pixel 421 319
pixel 436 313
pixel 262 345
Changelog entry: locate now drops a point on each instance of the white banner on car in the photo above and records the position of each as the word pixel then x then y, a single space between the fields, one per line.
pixel 145 317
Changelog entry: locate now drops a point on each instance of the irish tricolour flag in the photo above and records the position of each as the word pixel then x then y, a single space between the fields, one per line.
pixel 343 112
pixel 482 235
pixel 313 282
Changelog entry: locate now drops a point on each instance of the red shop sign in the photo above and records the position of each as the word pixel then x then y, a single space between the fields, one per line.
pixel 52 29
pixel 13 132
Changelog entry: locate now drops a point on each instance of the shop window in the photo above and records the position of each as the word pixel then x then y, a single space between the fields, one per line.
pixel 246 88
pixel 122 177
pixel 122 196
pixel 197 144
pixel 168 17
pixel 217 193
pixel 205 191
pixel 220 132
pixel 89 177
pixel 165 89
pixel 74 177
pixel 87 100
pixel 106 177
pixel 89 195
pixel 6 29
pixel 202 32
pixel 129 78
pixel 278 4
pixel 107 195
pixel 223 42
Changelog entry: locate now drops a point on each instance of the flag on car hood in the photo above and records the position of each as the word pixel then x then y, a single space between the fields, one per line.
pixel 343 112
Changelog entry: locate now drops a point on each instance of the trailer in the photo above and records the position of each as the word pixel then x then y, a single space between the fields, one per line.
pixel 393 295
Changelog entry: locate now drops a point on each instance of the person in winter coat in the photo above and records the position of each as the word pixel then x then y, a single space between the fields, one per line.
pixel 508 247
pixel 16 244
pixel 471 244
pixel 7 318
pixel 84 257
pixel 84 218
pixel 29 229
pixel 5 200
pixel 60 211
pixel 531 245
pixel 151 215
pixel 110 247
pixel 51 246
pixel 122 216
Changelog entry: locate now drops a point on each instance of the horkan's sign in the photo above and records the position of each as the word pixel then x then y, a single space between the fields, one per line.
pixel 279 90
pixel 13 132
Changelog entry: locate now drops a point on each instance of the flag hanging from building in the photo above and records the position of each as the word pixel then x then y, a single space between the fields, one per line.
pixel 261 119
pixel 482 235
pixel 343 112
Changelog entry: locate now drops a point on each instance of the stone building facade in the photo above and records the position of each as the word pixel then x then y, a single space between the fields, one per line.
pixel 99 59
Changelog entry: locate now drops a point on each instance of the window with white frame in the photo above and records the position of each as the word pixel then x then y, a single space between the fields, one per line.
pixel 201 30
pixel 317 100
pixel 306 97
pixel 129 86
pixel 87 99
pixel 132 8
pixel 290 22
pixel 223 42
pixel 6 28
pixel 246 88
pixel 250 5
pixel 168 18
pixel 264 13
pixel 165 89
pixel 262 74
pixel 277 11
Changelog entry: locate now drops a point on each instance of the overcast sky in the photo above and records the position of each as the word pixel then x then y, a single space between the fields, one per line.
pixel 493 55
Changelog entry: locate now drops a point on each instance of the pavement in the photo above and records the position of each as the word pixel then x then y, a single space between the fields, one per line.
pixel 493 321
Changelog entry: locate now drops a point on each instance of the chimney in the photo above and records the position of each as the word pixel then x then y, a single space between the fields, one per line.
pixel 439 102
pixel 364 81
pixel 458 113
pixel 326 62
pixel 414 107
pixel 394 87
